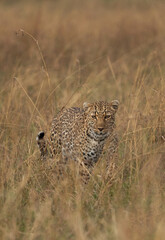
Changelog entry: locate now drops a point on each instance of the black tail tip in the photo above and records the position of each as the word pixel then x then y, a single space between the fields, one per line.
pixel 40 135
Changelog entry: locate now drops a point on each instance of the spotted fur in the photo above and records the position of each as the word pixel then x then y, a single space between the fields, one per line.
pixel 81 133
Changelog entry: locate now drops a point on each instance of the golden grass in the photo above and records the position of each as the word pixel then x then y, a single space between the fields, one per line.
pixel 62 56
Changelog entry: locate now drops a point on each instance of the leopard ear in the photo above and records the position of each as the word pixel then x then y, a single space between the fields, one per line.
pixel 114 105
pixel 86 106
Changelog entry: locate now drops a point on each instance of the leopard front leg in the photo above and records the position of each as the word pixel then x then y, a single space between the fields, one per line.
pixel 85 172
pixel 111 157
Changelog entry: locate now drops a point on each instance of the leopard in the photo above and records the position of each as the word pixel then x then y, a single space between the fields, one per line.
pixel 80 134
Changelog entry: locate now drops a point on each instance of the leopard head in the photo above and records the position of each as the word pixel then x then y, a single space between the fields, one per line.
pixel 100 118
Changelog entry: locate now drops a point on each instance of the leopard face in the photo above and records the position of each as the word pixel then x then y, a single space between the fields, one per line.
pixel 100 118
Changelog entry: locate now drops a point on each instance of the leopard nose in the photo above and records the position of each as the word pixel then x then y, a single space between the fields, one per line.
pixel 100 128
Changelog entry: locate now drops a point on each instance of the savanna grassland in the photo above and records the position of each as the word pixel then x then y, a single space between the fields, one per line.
pixel 62 53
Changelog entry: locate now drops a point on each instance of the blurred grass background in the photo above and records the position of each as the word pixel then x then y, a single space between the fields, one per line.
pixel 92 50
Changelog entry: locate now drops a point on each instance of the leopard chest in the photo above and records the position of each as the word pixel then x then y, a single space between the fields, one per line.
pixel 91 150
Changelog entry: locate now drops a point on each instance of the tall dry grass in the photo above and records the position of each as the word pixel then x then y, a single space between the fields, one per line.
pixel 82 52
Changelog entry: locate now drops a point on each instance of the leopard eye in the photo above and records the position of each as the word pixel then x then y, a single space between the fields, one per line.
pixel 93 115
pixel 107 116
